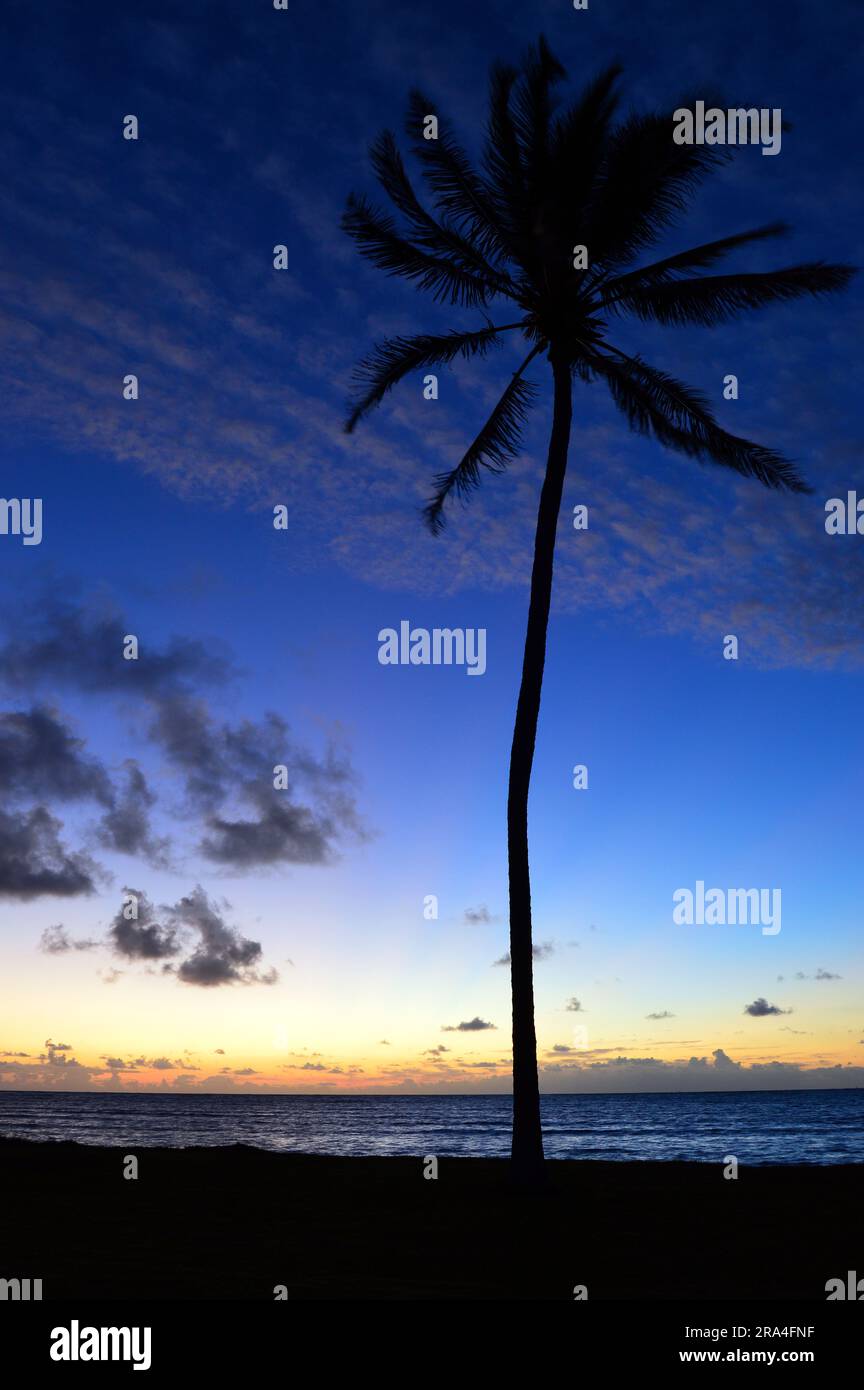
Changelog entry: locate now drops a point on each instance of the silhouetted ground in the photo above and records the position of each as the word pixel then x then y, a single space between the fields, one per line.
pixel 233 1223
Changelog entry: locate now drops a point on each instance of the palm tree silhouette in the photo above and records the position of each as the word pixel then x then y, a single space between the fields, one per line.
pixel 553 179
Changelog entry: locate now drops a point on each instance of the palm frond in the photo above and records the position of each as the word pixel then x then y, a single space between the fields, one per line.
pixel 459 191
pixel 579 137
pixel 712 299
pixel 680 417
pixel 379 241
pixel 645 183
pixel 696 258
pixel 532 109
pixel 437 237
pixel 502 161
pixel 494 447
pixel 394 358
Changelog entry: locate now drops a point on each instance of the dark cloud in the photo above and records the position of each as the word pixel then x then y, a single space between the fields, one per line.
pixel 474 916
pixel 137 935
pixel 297 823
pixel 723 1062
pixel 56 941
pixel 541 951
pixel 59 633
pixel 227 770
pixel 222 955
pixel 760 1008
pixel 474 1025
pixel 283 832
pixel 125 827
pixel 40 757
pixel 820 975
pixel 35 863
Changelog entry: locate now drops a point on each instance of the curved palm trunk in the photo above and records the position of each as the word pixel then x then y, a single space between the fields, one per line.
pixel 527 1149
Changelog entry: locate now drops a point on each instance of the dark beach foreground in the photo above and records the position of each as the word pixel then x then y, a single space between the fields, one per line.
pixel 234 1223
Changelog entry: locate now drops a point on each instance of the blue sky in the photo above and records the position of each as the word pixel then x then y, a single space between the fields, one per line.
pixel 155 257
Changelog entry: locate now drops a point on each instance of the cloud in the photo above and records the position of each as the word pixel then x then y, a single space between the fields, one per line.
pixel 126 826
pixel 59 632
pixel 140 936
pixel 55 941
pixel 222 955
pixel 476 916
pixel 35 863
pixel 295 823
pixel 474 1025
pixel 40 757
pixel 723 1062
pixel 760 1008
pixel 541 951
pixel 228 770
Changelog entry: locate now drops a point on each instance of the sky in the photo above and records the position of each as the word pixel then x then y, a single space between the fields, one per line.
pixel 284 939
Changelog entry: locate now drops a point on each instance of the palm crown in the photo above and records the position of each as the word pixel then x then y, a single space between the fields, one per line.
pixel 554 178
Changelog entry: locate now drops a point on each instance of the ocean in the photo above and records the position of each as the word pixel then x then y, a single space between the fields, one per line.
pixel 758 1127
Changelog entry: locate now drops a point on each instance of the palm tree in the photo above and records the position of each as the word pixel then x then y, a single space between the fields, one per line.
pixel 553 178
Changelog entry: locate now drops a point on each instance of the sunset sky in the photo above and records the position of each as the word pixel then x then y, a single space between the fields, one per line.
pixel 281 942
